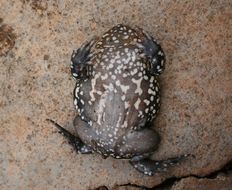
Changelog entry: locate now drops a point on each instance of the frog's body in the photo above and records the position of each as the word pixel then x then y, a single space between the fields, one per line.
pixel 117 97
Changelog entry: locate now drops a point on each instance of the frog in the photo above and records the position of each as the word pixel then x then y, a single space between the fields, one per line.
pixel 117 97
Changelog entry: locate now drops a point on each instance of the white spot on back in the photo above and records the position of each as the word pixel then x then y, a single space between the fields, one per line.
pixel 93 90
pixel 102 104
pixel 109 87
pixel 127 105
pixel 124 88
pixel 75 101
pixel 137 103
pixel 138 84
pixel 118 122
pixel 104 77
pixel 150 91
pixel 147 102
pixel 134 71
pixel 125 124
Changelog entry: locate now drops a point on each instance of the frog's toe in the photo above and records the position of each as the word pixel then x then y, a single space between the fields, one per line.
pixel 73 140
pixel 150 167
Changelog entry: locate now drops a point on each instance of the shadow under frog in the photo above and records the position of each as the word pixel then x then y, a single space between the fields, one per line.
pixel 117 96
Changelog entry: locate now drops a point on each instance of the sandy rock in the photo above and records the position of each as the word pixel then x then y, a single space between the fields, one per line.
pixel 7 39
pixel 192 183
pixel 196 113
pixel 128 187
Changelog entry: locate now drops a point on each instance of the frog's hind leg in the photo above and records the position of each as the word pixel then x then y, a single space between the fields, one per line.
pixel 150 167
pixel 73 140
pixel 141 144
pixel 80 68
pixel 137 144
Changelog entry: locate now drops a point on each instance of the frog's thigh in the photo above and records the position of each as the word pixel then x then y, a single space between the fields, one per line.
pixel 139 142
pixel 84 130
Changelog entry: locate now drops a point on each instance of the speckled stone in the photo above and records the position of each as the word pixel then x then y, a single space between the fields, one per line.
pixel 196 110
pixel 191 183
pixel 128 187
pixel 7 39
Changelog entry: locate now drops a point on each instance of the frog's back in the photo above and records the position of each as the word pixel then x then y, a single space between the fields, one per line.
pixel 121 95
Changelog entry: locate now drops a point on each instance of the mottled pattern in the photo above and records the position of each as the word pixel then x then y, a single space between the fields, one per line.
pixel 121 95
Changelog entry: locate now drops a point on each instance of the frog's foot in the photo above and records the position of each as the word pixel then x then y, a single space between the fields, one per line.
pixel 75 141
pixel 150 167
pixel 153 52
pixel 80 69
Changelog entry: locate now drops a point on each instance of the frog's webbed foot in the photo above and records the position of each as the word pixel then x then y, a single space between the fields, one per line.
pixel 153 52
pixel 150 167
pixel 73 140
pixel 80 68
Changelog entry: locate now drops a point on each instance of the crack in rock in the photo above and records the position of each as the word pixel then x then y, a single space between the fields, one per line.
pixel 169 183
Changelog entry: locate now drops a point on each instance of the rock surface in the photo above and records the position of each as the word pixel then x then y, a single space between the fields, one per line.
pixel 196 111
pixel 192 183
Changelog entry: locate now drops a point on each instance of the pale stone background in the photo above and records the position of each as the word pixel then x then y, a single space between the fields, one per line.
pixel 36 42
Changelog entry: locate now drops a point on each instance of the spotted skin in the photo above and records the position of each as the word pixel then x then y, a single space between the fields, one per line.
pixel 153 52
pixel 117 96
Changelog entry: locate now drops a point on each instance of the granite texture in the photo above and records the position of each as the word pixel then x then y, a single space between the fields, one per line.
pixel 7 38
pixel 37 39
pixel 221 182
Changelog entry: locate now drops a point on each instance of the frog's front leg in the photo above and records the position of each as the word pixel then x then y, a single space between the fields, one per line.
pixel 153 52
pixel 73 140
pixel 80 68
